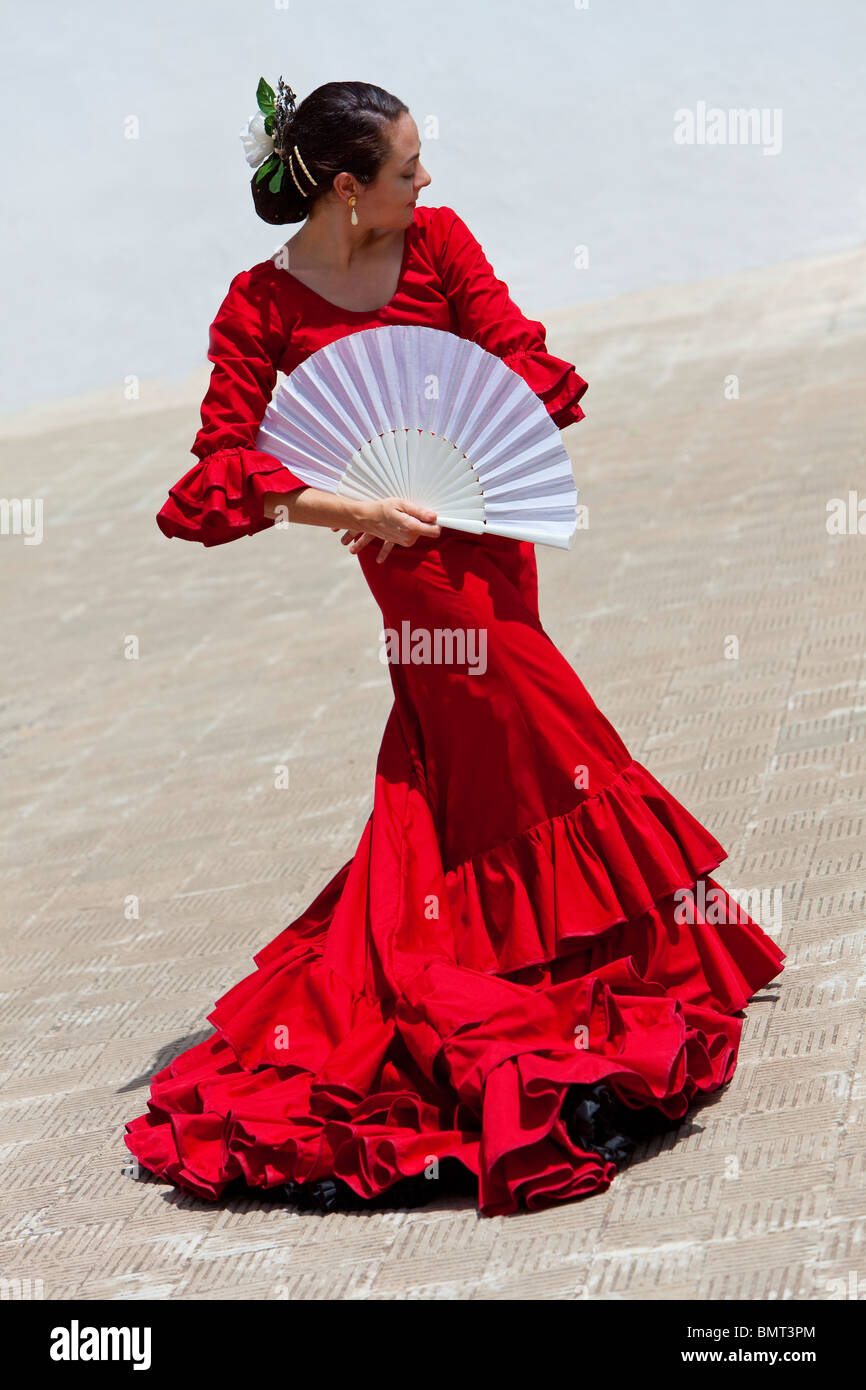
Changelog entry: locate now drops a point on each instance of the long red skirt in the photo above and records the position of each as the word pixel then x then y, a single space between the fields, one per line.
pixel 523 914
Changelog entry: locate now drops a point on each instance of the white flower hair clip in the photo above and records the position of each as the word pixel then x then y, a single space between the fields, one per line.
pixel 257 137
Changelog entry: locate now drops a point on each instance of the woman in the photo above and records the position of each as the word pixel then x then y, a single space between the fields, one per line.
pixel 512 979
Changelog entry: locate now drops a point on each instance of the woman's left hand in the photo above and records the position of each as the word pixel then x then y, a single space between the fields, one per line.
pixel 362 537
pixel 393 521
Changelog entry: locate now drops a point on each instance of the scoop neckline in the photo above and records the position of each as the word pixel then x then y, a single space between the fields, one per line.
pixel 365 313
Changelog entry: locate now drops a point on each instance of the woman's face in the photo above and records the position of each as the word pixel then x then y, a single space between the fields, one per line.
pixel 389 200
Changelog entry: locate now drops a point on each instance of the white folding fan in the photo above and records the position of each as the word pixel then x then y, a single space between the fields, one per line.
pixel 417 413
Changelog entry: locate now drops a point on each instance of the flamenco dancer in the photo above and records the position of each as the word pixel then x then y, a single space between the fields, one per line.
pixel 513 979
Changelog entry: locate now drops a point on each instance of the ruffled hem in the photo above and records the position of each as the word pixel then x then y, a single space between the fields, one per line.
pixel 471 1070
pixel 606 861
pixel 221 497
pixel 553 380
pixel 307 1077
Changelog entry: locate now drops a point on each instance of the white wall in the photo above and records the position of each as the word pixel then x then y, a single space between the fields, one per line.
pixel 556 129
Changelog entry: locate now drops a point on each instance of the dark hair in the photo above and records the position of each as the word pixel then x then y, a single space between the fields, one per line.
pixel 340 126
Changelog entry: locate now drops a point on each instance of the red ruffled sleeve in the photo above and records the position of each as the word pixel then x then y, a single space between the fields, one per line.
pixel 221 497
pixel 485 313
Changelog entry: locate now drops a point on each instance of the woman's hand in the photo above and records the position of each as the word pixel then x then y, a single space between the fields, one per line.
pixel 392 520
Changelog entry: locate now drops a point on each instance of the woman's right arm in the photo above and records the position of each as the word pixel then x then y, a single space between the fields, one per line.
pixel 237 490
pixel 220 498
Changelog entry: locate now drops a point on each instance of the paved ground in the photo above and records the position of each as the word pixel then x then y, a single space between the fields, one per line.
pixel 149 781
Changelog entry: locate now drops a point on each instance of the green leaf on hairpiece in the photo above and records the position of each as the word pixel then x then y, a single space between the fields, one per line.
pixel 269 124
pixel 268 167
pixel 265 97
pixel 277 180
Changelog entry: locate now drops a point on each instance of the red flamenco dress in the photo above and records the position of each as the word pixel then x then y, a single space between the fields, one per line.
pixel 504 983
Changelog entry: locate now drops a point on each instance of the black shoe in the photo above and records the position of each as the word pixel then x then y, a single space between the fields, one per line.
pixel 597 1120
pixel 325 1194
pixel 588 1117
pixel 332 1194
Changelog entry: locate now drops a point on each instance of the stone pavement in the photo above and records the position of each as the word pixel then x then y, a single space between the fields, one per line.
pixel 151 687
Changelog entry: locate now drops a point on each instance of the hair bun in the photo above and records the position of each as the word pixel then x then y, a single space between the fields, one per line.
pixel 341 125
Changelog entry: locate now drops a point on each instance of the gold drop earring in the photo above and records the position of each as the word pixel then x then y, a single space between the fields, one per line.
pixel 352 201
